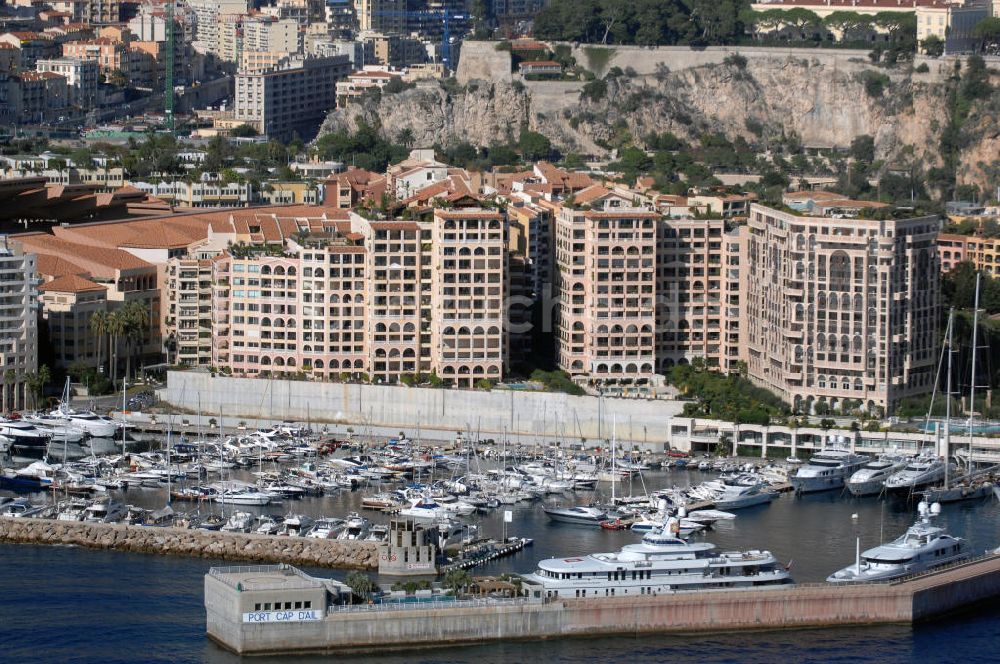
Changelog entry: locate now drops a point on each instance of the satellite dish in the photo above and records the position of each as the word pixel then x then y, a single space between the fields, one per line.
pixel 922 508
pixel 936 509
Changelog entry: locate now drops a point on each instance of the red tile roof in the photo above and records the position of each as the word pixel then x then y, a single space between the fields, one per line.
pixel 71 283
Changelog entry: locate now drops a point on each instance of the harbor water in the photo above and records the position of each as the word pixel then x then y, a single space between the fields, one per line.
pixel 77 605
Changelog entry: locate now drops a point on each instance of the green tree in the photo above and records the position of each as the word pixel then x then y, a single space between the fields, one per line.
pixel 933 46
pixel 9 385
pixel 36 382
pixel 863 149
pixel 457 580
pixel 987 31
pixel 244 131
pixel 361 585
pixel 534 146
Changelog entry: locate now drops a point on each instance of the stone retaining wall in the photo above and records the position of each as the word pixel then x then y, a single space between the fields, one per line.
pixel 198 543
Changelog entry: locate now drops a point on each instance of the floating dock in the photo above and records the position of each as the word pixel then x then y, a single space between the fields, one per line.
pixel 241 614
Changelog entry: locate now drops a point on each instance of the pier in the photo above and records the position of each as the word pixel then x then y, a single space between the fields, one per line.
pixel 340 627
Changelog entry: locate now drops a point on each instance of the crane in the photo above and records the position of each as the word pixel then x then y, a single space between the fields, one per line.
pixel 168 93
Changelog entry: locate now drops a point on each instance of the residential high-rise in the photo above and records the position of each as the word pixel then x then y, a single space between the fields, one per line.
pixel 19 332
pixel 606 282
pixel 292 98
pixel 840 311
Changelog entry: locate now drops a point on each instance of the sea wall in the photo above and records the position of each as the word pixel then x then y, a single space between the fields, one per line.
pixel 488 413
pixel 374 628
pixel 194 542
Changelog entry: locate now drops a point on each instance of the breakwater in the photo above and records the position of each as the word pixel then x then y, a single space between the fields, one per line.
pixel 231 604
pixel 193 542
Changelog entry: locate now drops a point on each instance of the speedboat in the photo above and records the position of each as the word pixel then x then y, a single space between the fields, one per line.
pixel 870 480
pixel 295 525
pixel 239 522
pixel 922 547
pixel 736 497
pixel 25 438
pixel 424 508
pixel 22 508
pixel 355 528
pixel 326 528
pixel 104 510
pixel 578 514
pixel 661 563
pixel 921 471
pixel 827 469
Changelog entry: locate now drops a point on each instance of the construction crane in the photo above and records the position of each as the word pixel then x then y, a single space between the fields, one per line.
pixel 168 92
pixel 445 16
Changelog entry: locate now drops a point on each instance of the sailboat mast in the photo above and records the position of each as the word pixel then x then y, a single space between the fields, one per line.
pixel 946 452
pixel 614 441
pixel 972 381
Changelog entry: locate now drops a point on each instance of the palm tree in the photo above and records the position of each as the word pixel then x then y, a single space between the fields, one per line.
pixel 136 324
pixel 36 384
pixel 116 327
pixel 99 326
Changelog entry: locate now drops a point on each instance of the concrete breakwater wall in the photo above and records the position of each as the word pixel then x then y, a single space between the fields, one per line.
pixel 193 542
pixel 490 413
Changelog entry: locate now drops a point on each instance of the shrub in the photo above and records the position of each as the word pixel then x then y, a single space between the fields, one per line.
pixel 736 60
pixel 875 83
pixel 922 68
pixel 595 91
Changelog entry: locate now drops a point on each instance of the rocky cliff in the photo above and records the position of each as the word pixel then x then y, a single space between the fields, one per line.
pixel 820 96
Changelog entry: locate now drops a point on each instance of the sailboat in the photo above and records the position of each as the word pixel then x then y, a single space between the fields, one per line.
pixel 968 487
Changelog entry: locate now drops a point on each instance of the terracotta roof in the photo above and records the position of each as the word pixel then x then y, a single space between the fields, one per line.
pixel 71 283
pixel 97 257
pixel 54 266
pixel 591 193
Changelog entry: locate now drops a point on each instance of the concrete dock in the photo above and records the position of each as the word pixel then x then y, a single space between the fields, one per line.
pixel 374 627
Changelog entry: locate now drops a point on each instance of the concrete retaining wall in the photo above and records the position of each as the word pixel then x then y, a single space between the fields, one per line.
pixel 547 414
pixel 197 543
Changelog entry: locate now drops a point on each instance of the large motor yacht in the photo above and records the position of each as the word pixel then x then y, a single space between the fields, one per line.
pixel 25 438
pixel 827 469
pixel 870 480
pixel 921 471
pixel 923 546
pixel 735 497
pixel 661 563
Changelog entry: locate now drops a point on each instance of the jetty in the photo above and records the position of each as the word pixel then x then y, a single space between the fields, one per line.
pixel 260 611
pixel 342 554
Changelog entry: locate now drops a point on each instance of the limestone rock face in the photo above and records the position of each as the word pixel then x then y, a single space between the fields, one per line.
pixel 820 97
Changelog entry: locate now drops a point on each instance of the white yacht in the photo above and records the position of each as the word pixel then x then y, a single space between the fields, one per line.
pixel 923 546
pixel 736 496
pixel 295 525
pixel 91 423
pixel 827 469
pixel 870 480
pixel 355 528
pixel 104 510
pixel 591 516
pixel 24 437
pixel 326 528
pixel 661 563
pixel 424 508
pixel 239 522
pixel 921 471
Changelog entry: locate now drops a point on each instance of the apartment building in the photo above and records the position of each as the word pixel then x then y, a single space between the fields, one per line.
pixel 67 303
pixel 606 281
pixel 187 297
pixel 207 13
pixel 695 291
pixel 267 33
pixel 839 311
pixel 982 252
pixel 354 187
pixel 387 16
pixel 18 322
pixel 469 283
pixel 82 77
pixel 294 97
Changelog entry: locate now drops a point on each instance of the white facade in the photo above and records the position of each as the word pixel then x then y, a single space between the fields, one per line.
pixel 82 77
pixel 18 322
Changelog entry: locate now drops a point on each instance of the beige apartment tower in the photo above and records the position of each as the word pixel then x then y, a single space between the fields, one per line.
pixel 840 312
